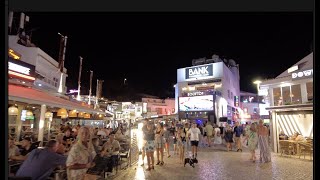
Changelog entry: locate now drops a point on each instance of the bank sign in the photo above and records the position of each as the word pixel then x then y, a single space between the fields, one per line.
pixel 199 71
pixel 302 74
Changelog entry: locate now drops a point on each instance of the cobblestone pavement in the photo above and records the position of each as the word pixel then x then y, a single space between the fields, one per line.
pixel 217 163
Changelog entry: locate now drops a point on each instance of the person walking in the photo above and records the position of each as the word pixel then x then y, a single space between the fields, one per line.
pixel 252 138
pixel 238 130
pixel 194 134
pixel 166 136
pixel 181 143
pixel 209 130
pixel 159 141
pixel 150 145
pixel 263 134
pixel 144 142
pixel 228 136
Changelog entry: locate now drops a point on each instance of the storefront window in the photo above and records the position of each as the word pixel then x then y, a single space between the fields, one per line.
pixel 296 94
pixel 286 95
pixel 277 97
pixel 310 91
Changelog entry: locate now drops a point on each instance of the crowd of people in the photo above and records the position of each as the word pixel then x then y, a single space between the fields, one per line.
pixel 75 149
pixel 78 148
pixel 189 135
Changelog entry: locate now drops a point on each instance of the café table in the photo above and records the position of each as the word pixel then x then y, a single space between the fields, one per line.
pixel 295 145
pixel 14 163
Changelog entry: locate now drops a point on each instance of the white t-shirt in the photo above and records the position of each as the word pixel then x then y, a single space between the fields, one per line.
pixel 194 134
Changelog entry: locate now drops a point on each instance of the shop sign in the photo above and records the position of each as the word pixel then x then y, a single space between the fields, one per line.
pixel 199 71
pixel 236 101
pixel 198 93
pixel 302 74
pixel 20 69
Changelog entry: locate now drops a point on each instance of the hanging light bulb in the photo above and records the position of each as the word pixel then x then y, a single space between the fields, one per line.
pixel 73 113
pixel 48 114
pixel 87 116
pixel 81 114
pixel 62 112
pixel 29 113
pixel 13 111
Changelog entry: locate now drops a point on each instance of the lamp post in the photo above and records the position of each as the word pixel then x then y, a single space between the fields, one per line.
pixel 258 82
pixel 124 81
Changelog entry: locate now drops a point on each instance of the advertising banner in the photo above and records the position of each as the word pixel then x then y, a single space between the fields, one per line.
pixel 196 103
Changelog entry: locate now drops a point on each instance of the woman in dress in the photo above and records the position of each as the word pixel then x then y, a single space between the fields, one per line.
pixel 228 136
pixel 217 135
pixel 181 142
pixel 252 137
pixel 149 137
pixel 159 144
pixel 263 134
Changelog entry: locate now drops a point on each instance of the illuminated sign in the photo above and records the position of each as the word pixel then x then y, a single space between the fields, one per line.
pixel 73 91
pixel 236 101
pixel 198 93
pixel 199 71
pixel 14 55
pixel 19 68
pixel 302 74
pixel 294 68
pixel 196 103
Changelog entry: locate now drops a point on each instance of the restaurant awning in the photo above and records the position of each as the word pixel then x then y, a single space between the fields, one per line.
pixel 34 96
pixel 294 107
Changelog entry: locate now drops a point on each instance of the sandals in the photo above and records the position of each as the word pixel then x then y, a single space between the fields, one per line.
pixel 148 169
pixel 161 163
pixel 158 163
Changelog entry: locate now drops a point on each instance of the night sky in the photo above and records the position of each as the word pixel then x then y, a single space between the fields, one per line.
pixel 148 48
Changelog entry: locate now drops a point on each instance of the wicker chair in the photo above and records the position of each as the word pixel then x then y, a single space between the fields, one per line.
pixel 306 148
pixel 285 147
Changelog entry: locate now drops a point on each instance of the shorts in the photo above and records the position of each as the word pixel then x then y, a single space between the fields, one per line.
pixel 166 140
pixel 205 134
pixel 149 147
pixel 194 143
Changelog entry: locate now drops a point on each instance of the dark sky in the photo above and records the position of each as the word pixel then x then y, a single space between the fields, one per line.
pixel 148 48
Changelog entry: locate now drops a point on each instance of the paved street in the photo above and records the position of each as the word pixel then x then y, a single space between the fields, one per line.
pixel 216 163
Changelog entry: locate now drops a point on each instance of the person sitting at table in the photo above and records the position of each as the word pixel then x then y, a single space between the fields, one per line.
pixel 101 133
pixel 26 148
pixel 95 143
pixel 81 156
pixel 119 136
pixel 41 162
pixel 13 149
pixel 297 137
pixel 61 148
pixel 111 148
pixel 67 137
pixel 283 136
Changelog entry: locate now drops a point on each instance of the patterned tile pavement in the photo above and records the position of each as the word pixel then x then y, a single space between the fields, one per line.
pixel 216 163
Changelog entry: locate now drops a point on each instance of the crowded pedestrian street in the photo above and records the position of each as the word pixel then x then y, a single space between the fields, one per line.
pixel 217 163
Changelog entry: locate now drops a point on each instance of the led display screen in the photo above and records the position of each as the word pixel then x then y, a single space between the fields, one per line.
pixel 196 103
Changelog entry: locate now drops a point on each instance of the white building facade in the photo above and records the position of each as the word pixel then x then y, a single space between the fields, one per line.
pixel 208 92
pixel 46 68
pixel 290 97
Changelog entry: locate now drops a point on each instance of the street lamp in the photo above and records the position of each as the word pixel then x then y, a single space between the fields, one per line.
pixel 258 82
pixel 124 81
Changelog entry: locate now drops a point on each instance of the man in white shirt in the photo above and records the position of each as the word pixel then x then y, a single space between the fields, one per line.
pixel 194 133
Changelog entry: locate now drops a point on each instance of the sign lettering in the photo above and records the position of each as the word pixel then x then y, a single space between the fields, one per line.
pixel 199 71
pixel 199 93
pixel 302 74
